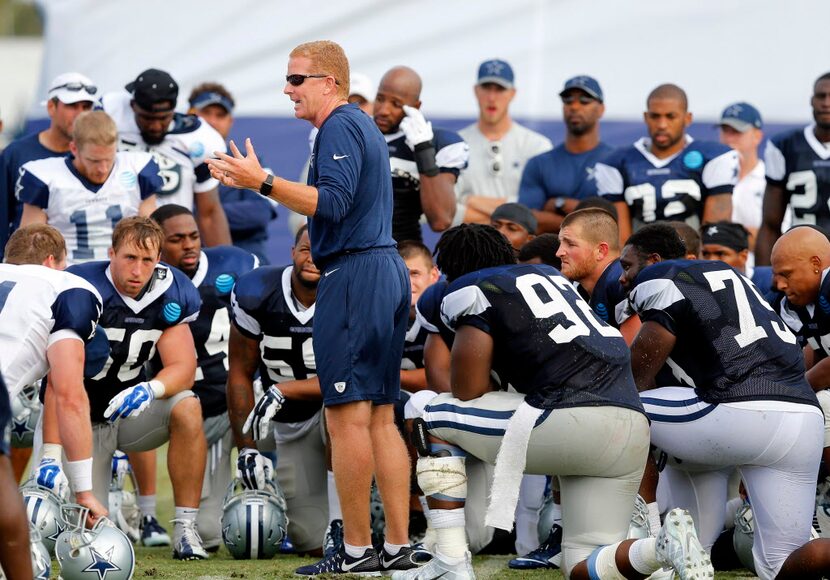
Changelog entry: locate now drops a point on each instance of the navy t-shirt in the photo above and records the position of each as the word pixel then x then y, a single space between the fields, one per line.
pixel 350 169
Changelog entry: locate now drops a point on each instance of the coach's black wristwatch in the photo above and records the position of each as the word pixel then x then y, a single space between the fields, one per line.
pixel 265 188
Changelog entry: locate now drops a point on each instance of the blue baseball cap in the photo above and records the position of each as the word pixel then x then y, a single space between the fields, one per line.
pixel 584 83
pixel 207 98
pixel 741 117
pixel 496 71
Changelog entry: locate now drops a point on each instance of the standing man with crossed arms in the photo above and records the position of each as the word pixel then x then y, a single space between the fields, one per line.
pixel 362 303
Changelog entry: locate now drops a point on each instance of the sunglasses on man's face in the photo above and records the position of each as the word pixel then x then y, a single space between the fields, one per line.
pixel 76 87
pixel 297 80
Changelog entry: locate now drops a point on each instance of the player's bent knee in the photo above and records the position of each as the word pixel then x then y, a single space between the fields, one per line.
pixel 443 478
pixel 187 413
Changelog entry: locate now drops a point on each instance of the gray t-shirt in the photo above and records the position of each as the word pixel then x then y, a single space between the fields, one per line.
pixel 495 167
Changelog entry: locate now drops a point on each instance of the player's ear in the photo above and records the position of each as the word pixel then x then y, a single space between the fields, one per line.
pixel 110 253
pixel 688 118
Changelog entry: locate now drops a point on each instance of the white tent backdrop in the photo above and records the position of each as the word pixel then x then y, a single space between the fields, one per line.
pixel 767 52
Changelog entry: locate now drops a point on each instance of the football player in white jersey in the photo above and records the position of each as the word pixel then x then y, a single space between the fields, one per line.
pixel 47 316
pixel 85 195
pixel 180 144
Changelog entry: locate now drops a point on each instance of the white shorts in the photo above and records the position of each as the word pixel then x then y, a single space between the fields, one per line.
pixel 599 454
pixel 775 445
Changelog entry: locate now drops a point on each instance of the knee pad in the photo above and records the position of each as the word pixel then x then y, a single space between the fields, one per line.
pixel 443 478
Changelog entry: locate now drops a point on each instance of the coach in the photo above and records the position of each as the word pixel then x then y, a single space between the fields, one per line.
pixel 363 296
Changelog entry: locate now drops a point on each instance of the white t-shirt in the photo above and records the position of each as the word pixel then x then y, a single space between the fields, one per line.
pixel 495 167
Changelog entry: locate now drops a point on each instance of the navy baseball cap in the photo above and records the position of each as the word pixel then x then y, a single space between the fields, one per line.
pixel 584 83
pixel 207 98
pixel 496 71
pixel 741 117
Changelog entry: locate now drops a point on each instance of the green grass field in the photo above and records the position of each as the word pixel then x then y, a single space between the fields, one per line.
pixel 158 562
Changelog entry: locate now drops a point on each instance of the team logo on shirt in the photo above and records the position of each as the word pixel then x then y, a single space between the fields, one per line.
pixel 127 178
pixel 693 159
pixel 224 283
pixel 171 311
pixel 197 149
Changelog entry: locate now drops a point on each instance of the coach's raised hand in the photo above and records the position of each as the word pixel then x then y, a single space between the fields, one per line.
pixel 240 171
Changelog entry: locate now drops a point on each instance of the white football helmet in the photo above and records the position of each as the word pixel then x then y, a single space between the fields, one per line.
pixel 104 550
pixel 253 521
pixel 43 508
pixel 25 409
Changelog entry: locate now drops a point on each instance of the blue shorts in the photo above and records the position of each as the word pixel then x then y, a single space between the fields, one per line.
pixel 360 321
pixel 5 420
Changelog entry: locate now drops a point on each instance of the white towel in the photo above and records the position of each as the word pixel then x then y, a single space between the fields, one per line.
pixel 510 467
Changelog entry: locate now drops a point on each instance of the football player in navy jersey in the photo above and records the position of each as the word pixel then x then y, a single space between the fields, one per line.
pixel 47 316
pixel 86 194
pixel 589 249
pixel 798 174
pixel 147 308
pixel 750 405
pixel 574 387
pixel 273 314
pixel 214 271
pixel 14 525
pixel 422 275
pixel 668 176
pixel 70 94
pixel 180 144
pixel 425 162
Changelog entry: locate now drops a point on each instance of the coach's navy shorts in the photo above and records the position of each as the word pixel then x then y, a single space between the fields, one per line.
pixel 360 321
pixel 5 420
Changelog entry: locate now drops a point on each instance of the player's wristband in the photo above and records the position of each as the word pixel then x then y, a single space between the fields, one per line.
pixel 158 388
pixel 425 159
pixel 51 451
pixel 79 474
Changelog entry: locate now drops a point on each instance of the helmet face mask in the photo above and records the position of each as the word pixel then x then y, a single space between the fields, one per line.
pixel 744 536
pixel 254 522
pixel 104 549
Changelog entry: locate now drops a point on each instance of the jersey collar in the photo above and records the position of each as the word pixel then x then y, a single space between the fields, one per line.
pixel 392 136
pixel 201 270
pixel 159 288
pixel 643 145
pixel 816 145
pixel 302 317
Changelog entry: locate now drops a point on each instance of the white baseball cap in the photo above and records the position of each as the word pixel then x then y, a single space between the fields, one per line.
pixel 361 85
pixel 71 88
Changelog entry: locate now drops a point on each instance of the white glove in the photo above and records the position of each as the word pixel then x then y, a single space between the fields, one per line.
pixel 49 474
pixel 415 127
pixel 131 402
pixel 254 469
pixel 259 419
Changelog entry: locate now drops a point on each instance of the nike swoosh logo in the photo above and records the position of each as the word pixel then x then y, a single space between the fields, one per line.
pixel 346 567
pixel 386 563
pixel 338 157
pixel 330 272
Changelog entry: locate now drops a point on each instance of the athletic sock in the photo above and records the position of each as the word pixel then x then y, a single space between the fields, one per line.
pixel 186 513
pixel 335 512
pixel 355 551
pixel 393 549
pixel 147 505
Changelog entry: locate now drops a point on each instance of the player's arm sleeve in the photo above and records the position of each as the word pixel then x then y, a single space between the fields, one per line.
pixel 75 312
pixel 149 178
pixel 721 173
pixel 452 153
pixel 532 187
pixel 30 189
pixel 775 164
pixel 610 184
pixel 339 161
pixel 467 305
pixel 242 320
pixel 659 300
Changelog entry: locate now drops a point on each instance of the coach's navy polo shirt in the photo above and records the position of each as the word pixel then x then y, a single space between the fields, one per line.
pixel 350 169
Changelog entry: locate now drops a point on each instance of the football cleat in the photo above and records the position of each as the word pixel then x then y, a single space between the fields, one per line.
pixel 547 555
pixel 152 534
pixel 341 563
pixel 187 544
pixel 679 548
pixel 441 567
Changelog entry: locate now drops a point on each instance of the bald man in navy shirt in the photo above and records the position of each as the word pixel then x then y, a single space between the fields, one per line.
pixel 362 305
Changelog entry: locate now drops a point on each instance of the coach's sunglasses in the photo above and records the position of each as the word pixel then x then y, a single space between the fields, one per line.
pixel 297 80
pixel 76 87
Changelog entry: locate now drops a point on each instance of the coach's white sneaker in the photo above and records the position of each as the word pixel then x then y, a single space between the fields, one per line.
pixel 187 544
pixel 441 567
pixel 679 548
